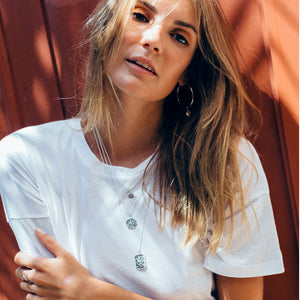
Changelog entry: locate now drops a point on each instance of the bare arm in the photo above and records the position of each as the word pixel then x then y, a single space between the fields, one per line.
pixel 230 288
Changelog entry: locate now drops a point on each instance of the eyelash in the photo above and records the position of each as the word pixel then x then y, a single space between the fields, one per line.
pixel 176 36
pixel 138 16
pixel 180 38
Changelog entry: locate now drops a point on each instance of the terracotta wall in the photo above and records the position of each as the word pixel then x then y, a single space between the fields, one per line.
pixel 37 59
pixel 268 36
pixel 282 23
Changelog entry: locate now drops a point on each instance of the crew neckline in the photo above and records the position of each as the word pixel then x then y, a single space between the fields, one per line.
pixel 122 169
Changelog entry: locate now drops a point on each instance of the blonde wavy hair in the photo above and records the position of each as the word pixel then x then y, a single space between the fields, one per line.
pixel 196 160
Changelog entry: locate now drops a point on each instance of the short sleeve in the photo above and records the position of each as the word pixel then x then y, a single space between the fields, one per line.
pixel 18 187
pixel 24 208
pixel 254 250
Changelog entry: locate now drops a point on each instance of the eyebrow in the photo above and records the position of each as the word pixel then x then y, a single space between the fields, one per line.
pixel 177 22
pixel 184 24
pixel 148 5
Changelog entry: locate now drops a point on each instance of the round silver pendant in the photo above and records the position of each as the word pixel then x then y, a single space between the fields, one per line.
pixel 131 223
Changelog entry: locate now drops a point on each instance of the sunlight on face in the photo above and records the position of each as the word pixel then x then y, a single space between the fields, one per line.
pixel 158 45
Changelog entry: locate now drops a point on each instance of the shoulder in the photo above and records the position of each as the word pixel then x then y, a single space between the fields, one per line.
pixel 39 131
pixel 252 173
pixel 39 134
pixel 26 143
pixel 247 150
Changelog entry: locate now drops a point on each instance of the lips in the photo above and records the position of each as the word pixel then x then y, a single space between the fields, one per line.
pixel 143 63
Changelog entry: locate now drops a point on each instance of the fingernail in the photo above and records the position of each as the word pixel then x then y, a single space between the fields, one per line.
pixel 39 230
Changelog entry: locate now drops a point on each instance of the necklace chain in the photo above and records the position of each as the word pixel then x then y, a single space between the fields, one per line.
pixel 131 223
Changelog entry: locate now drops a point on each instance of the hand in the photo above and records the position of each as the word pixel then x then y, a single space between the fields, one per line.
pixel 62 277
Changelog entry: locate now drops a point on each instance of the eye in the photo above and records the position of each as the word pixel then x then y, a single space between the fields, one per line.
pixel 140 17
pixel 180 38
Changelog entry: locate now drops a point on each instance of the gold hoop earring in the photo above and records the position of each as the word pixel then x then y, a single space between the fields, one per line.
pixel 183 103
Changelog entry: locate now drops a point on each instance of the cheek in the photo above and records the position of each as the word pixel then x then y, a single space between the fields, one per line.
pixel 178 69
pixel 181 59
pixel 131 36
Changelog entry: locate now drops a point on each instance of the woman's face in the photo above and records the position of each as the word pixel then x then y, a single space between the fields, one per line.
pixel 158 45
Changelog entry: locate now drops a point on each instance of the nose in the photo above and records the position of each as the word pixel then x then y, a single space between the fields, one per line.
pixel 152 38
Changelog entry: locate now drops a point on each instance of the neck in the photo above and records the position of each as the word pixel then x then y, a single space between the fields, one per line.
pixel 135 135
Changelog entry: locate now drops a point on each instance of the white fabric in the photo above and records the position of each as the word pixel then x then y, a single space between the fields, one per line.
pixel 50 179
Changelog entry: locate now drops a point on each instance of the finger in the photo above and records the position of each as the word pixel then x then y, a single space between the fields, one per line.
pixel 25 260
pixel 30 287
pixel 24 274
pixel 50 243
pixel 33 297
pixel 39 278
pixel 29 262
pixel 19 272
pixel 38 290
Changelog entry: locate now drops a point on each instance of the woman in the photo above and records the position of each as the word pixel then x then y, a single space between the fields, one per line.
pixel 153 188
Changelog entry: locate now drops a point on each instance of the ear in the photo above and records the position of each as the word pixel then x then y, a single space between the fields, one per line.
pixel 182 80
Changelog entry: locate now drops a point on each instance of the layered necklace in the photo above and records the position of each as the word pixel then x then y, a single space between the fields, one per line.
pixel 130 222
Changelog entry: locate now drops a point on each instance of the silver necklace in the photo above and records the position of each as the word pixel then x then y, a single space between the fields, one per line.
pixel 131 223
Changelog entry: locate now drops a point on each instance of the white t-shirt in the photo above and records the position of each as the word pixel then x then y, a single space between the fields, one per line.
pixel 49 178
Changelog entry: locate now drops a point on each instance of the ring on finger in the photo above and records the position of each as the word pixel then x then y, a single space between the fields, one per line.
pixel 25 278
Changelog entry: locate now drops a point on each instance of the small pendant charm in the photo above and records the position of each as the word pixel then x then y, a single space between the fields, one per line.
pixel 188 113
pixel 140 262
pixel 131 223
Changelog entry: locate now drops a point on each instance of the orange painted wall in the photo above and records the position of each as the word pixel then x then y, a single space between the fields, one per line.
pixel 268 36
pixel 282 37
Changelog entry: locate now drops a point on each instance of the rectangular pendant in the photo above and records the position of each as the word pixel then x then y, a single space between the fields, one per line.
pixel 140 262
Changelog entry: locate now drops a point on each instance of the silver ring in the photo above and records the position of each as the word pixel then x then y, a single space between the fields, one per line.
pixel 25 279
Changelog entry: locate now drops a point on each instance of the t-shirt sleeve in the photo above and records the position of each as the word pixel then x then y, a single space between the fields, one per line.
pixel 24 208
pixel 254 250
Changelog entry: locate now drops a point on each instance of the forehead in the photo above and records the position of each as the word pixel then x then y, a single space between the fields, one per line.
pixel 183 9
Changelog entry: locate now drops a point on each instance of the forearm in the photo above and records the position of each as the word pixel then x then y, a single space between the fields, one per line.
pixel 240 288
pixel 100 290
